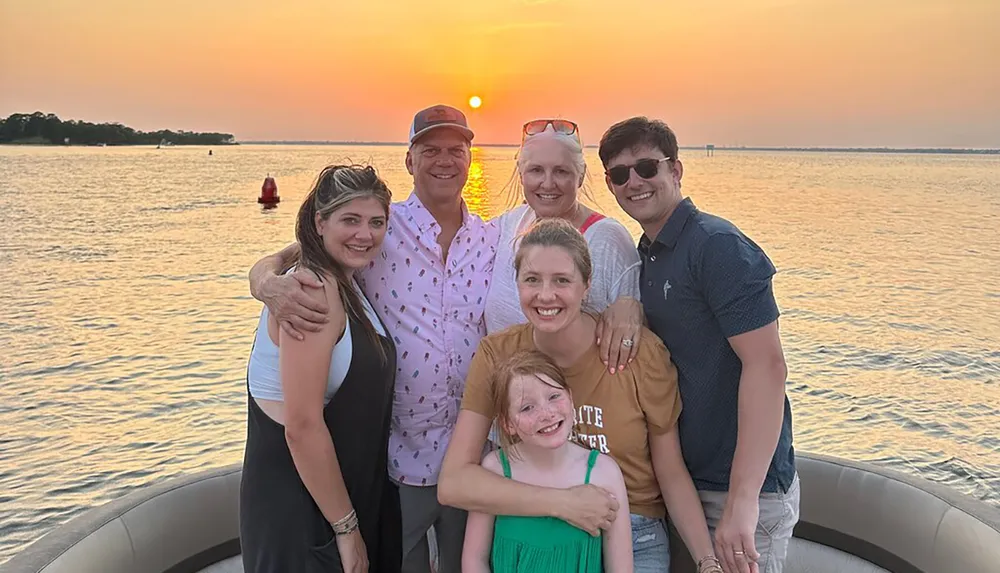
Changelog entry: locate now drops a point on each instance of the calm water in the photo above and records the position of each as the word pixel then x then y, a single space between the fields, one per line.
pixel 127 318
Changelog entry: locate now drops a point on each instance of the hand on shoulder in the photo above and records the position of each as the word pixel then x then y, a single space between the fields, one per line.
pixel 608 476
pixel 298 302
pixel 327 295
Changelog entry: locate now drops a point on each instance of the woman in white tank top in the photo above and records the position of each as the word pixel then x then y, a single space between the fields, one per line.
pixel 315 493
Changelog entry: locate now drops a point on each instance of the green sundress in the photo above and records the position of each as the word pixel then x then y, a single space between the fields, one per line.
pixel 543 544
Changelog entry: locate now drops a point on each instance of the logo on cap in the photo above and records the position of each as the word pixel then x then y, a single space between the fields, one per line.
pixel 441 113
pixel 437 117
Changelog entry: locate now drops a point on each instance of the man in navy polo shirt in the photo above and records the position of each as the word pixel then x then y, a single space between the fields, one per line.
pixel 706 290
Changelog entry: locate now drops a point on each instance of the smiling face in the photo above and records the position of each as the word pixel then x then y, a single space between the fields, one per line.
pixel 439 162
pixel 649 201
pixel 353 234
pixel 550 175
pixel 540 412
pixel 551 287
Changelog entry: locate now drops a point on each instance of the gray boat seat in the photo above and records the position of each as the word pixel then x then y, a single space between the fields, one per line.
pixel 230 565
pixel 855 518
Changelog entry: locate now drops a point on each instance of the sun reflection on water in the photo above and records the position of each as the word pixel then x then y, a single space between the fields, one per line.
pixel 128 318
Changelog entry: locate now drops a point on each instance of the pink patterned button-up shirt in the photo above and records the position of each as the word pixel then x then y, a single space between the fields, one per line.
pixel 434 312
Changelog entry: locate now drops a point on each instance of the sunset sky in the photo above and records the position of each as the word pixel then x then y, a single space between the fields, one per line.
pixel 902 73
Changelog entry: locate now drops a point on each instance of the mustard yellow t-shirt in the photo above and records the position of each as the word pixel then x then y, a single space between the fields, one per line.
pixel 615 413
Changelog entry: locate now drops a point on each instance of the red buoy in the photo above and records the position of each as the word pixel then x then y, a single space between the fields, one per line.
pixel 269 192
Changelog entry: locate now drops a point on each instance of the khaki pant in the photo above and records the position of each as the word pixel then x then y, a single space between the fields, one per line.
pixel 779 512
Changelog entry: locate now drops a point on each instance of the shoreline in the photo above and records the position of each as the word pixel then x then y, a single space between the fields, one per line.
pixel 34 144
pixel 870 150
pixel 899 150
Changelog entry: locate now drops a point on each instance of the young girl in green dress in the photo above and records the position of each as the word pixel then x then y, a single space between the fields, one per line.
pixel 535 421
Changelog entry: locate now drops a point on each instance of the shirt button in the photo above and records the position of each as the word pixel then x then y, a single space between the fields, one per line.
pixel 652 257
pixel 649 283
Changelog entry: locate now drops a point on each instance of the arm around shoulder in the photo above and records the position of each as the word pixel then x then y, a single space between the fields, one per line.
pixel 615 292
pixel 608 475
pixel 469 482
pixel 284 295
pixel 268 267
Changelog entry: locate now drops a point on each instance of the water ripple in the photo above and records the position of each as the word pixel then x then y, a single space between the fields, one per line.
pixel 126 334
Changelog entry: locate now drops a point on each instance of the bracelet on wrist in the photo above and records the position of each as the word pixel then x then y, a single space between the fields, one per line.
pixel 346 530
pixel 350 515
pixel 709 564
pixel 346 524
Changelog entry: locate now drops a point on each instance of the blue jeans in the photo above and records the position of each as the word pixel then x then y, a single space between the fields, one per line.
pixel 650 545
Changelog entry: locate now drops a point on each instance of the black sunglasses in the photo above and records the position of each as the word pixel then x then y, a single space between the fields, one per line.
pixel 645 168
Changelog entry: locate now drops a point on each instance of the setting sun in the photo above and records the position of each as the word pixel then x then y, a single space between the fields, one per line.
pixel 475 102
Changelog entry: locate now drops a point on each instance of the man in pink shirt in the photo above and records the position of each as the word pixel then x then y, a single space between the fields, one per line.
pixel 429 286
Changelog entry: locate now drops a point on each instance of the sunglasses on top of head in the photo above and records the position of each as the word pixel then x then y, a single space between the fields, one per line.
pixel 562 126
pixel 645 168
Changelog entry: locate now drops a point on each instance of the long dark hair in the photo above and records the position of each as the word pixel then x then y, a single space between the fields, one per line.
pixel 336 186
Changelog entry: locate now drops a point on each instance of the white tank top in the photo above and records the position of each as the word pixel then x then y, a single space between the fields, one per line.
pixel 263 374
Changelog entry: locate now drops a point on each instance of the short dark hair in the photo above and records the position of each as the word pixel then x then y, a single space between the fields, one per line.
pixel 634 132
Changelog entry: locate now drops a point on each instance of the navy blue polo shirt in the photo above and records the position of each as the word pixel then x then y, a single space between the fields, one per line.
pixel 704 281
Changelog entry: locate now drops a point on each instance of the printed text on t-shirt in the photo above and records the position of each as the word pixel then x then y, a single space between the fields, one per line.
pixel 594 417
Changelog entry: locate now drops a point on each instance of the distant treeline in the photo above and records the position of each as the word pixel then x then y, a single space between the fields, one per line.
pixel 46 128
pixel 901 150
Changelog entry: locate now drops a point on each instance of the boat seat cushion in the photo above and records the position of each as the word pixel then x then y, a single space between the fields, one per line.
pixel 803 557
pixel 808 557
pixel 231 565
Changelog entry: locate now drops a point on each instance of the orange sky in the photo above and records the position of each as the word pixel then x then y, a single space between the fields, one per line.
pixel 920 73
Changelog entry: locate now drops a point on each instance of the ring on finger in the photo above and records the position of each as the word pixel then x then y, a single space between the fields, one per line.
pixel 627 342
